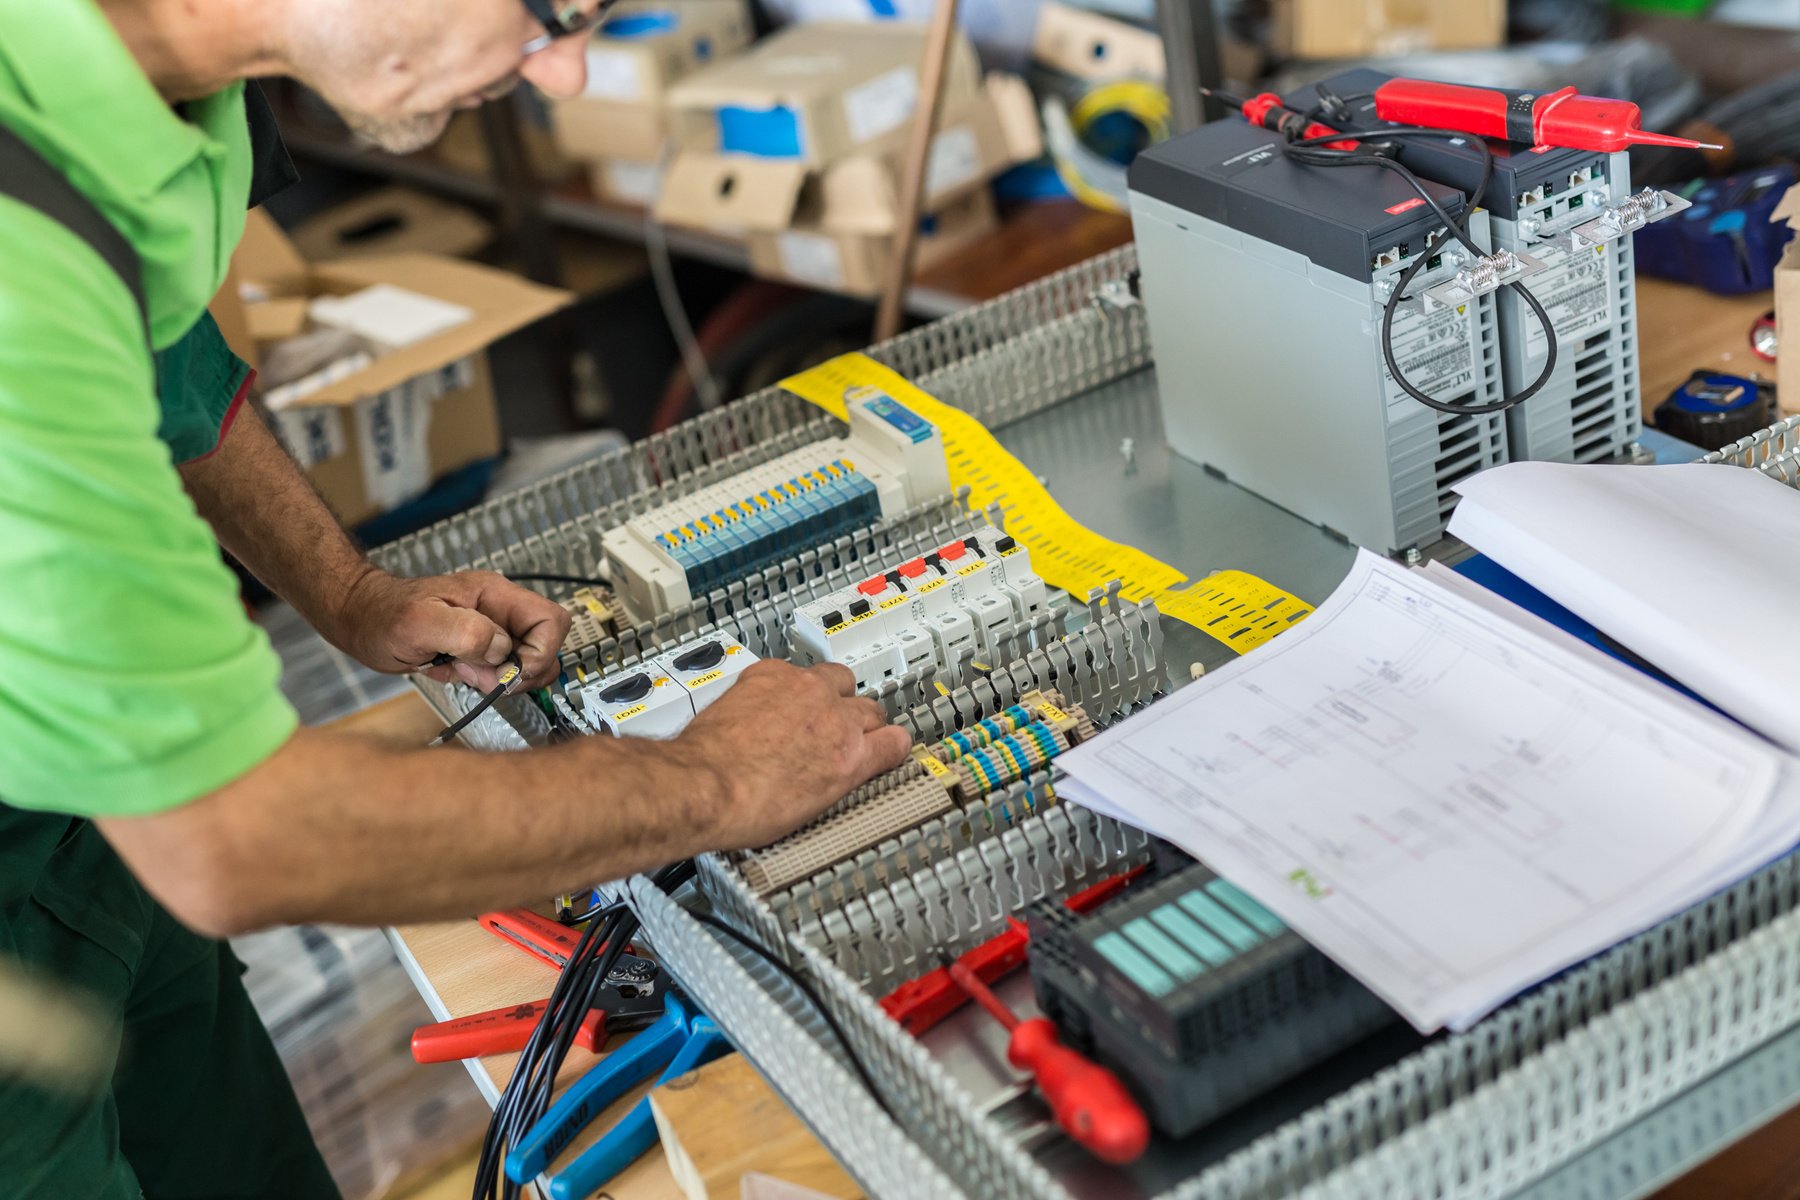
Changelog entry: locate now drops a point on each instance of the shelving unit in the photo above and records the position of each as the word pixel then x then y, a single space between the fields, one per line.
pixel 1033 239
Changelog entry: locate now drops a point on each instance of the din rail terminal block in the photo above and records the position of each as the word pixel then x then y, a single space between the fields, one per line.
pixel 892 461
pixel 1016 744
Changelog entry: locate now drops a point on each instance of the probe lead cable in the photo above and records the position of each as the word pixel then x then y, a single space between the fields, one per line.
pixel 1314 152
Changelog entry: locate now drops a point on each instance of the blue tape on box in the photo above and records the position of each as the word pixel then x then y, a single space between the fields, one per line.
pixel 760 132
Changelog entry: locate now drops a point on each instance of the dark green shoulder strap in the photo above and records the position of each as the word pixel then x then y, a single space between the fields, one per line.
pixel 26 177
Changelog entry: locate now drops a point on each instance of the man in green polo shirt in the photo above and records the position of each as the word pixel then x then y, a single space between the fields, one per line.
pixel 157 790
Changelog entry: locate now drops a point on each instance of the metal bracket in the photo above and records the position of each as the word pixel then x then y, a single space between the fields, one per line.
pixel 1483 276
pixel 1627 216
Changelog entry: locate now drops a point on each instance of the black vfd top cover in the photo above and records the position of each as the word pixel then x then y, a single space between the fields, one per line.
pixel 1236 174
pixel 1517 169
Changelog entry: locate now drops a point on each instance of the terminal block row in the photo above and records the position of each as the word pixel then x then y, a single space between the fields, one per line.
pixel 892 461
pixel 1006 748
pixel 593 619
pixel 759 606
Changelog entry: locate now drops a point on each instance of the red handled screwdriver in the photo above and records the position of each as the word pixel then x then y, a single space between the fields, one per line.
pixel 919 1004
pixel 1088 1101
pixel 1559 118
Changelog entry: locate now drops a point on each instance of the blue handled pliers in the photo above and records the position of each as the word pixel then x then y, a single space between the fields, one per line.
pixel 680 1040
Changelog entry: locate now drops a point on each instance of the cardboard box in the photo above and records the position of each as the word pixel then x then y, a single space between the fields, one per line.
pixel 383 435
pixel 858 194
pixel 1787 309
pixel 1360 28
pixel 393 220
pixel 626 181
pixel 856 263
pixel 813 93
pixel 1093 47
pixel 590 131
pixel 632 61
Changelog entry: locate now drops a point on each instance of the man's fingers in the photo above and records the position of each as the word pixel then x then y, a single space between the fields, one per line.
pixel 537 623
pixel 874 716
pixel 885 749
pixel 464 634
pixel 841 678
pixel 481 678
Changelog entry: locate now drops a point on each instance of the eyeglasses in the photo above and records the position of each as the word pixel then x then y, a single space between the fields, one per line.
pixel 561 20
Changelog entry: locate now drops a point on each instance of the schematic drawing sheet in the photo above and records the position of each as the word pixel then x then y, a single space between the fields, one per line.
pixel 1447 804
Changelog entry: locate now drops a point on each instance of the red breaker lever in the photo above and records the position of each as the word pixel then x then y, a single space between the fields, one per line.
pixel 1560 118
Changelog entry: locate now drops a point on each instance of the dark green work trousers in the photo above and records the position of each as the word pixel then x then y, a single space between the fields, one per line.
pixel 197 1105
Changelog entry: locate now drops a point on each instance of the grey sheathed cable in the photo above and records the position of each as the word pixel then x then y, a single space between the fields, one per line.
pixel 510 672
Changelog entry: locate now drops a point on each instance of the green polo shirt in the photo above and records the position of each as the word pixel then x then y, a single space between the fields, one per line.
pixel 131 679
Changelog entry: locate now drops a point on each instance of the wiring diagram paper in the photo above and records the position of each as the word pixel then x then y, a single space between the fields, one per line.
pixel 1449 806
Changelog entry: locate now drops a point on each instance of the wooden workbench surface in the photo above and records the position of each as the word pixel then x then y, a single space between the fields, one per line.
pixel 465 970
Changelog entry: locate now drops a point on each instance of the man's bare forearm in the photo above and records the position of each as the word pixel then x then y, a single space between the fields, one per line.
pixel 337 827
pixel 265 512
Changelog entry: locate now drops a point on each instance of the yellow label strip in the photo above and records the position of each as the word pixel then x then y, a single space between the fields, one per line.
pixel 1235 607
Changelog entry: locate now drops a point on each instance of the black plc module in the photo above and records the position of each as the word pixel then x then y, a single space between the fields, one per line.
pixel 1195 995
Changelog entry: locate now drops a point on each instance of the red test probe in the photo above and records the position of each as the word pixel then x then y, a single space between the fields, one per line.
pixel 1560 118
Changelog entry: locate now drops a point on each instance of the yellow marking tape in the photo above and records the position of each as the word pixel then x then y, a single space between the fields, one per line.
pixel 1235 607
pixel 931 763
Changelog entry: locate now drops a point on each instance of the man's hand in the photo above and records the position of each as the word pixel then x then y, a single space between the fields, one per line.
pixel 477 617
pixel 785 743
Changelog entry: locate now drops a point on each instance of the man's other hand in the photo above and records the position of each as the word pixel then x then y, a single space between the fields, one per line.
pixel 477 617
pixel 786 742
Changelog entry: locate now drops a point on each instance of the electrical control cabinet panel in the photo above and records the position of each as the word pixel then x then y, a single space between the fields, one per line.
pixel 892 461
pixel 658 697
pixel 926 611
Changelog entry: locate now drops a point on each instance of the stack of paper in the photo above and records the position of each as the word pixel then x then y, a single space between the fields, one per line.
pixel 1450 798
pixel 1696 568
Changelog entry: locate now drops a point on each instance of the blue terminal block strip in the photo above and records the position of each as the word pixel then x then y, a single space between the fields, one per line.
pixel 1196 995
pixel 761 530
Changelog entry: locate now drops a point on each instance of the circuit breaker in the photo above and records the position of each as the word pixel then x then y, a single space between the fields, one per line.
pixel 930 610
pixel 658 697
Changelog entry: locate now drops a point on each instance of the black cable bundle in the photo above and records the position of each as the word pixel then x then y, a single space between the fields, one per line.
pixel 529 1092
pixel 1315 152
